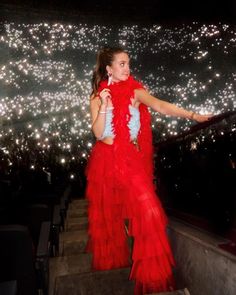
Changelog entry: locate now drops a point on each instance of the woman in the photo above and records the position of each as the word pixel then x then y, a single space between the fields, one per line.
pixel 120 181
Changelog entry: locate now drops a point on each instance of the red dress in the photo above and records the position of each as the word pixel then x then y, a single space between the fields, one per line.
pixel 120 186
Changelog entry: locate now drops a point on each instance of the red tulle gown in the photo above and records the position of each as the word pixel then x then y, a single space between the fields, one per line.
pixel 120 187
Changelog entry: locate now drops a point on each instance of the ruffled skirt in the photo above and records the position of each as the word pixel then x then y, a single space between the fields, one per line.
pixel 117 192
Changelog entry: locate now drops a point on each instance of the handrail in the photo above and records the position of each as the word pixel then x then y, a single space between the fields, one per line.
pixel 197 127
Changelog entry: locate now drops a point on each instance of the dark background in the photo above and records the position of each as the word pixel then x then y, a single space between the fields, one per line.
pixel 147 11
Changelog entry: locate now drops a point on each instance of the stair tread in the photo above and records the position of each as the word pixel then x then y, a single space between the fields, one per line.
pixel 78 204
pixel 75 213
pixel 79 201
pixel 76 226
pixel 66 265
pixel 176 292
pixel 99 283
pixel 75 235
pixel 77 220
pixel 71 264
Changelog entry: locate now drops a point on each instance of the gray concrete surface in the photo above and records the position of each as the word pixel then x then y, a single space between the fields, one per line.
pixel 201 265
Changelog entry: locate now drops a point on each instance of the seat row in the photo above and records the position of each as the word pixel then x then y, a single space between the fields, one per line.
pixel 29 236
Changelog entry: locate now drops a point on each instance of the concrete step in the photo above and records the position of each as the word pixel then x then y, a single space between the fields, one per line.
pixel 79 220
pixel 72 248
pixel 73 235
pixel 79 223
pixel 177 292
pixel 73 264
pixel 75 213
pixel 80 201
pixel 78 204
pixel 73 242
pixel 60 266
pixel 108 282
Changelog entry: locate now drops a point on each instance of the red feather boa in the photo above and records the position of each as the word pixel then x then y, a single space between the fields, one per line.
pixel 121 94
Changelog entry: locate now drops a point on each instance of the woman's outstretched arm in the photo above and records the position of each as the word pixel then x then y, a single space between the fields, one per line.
pixel 167 108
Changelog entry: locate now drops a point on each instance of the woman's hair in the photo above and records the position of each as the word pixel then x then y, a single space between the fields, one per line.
pixel 105 57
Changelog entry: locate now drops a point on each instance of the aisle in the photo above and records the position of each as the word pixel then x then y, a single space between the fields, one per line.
pixel 70 272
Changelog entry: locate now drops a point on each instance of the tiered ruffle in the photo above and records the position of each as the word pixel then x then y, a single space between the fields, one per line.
pixel 107 236
pixel 115 196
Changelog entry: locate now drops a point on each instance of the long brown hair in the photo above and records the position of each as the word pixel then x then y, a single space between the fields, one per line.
pixel 105 57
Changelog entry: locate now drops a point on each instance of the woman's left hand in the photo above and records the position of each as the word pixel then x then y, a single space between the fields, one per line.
pixel 202 118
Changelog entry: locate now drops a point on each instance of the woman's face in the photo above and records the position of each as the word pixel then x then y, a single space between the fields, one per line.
pixel 120 67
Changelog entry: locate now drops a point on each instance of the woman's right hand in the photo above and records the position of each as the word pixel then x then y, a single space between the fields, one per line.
pixel 105 96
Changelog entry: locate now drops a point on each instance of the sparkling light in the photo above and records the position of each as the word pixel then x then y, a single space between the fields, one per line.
pixel 47 68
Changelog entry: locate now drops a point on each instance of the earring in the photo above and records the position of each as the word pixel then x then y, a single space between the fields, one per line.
pixel 109 79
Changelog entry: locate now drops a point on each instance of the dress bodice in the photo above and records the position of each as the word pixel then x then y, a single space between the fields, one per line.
pixel 133 124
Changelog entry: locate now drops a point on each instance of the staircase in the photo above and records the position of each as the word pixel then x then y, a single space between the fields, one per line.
pixel 70 272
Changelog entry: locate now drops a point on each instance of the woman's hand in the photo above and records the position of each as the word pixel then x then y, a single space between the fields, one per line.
pixel 201 118
pixel 105 96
